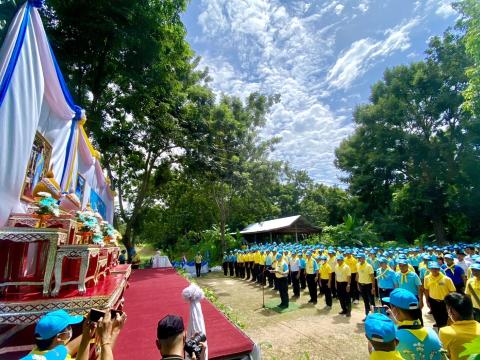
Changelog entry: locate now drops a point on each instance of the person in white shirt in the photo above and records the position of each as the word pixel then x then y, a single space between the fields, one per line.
pixel 461 260
pixel 294 264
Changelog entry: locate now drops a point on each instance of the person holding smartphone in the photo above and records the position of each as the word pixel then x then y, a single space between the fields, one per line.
pixel 415 340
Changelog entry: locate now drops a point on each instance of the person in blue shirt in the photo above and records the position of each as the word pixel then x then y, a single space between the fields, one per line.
pixel 303 264
pixel 414 259
pixel 455 273
pixel 408 280
pixel 385 277
pixel 415 342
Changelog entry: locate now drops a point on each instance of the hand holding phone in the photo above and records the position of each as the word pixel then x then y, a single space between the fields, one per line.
pixel 380 310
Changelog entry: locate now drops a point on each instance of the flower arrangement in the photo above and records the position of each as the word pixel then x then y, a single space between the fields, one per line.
pixel 47 205
pixel 108 230
pixel 88 220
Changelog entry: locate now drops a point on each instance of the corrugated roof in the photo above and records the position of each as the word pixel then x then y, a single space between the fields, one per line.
pixel 270 225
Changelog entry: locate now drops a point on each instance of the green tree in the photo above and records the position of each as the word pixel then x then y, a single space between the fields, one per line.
pixel 405 155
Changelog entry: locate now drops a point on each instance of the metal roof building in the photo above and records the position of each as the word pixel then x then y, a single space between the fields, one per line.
pixel 292 225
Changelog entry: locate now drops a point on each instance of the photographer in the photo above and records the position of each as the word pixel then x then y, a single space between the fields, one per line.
pixel 172 338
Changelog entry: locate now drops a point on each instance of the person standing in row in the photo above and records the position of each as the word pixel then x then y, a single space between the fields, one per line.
pixel 281 273
pixel 268 266
pixel 437 287
pixel 352 264
pixel 225 264
pixel 231 263
pixel 295 274
pixel 326 275
pixel 302 262
pixel 332 261
pixel 343 275
pixel 365 281
pixel 473 290
pixel 198 263
pixel 454 272
pixel 311 270
pixel 385 279
pixel 408 280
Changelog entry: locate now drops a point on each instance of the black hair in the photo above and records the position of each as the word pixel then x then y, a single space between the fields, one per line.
pixel 461 303
pixel 44 344
pixel 384 346
pixel 411 314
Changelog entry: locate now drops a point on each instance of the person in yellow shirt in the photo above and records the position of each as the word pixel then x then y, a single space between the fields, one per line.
pixel 261 268
pixel 198 263
pixel 281 273
pixel 332 261
pixel 463 329
pixel 380 331
pixel 366 284
pixel 325 273
pixel 437 286
pixel 472 289
pixel 352 264
pixel 343 276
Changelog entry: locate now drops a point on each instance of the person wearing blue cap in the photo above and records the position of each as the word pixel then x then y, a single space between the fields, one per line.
pixel 473 289
pixel 53 333
pixel 268 266
pixel 311 271
pixel 332 261
pixel 302 263
pixel 437 286
pixel 408 280
pixel 352 263
pixel 342 276
pixel 281 272
pixel 365 281
pixel 225 264
pixel 325 274
pixel 381 334
pixel 454 272
pixel 415 340
pixel 385 279
pixel 294 264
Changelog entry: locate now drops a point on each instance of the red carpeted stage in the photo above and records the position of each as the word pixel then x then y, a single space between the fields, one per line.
pixel 154 293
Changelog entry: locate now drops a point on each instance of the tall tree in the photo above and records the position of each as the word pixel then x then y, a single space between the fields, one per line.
pixel 407 147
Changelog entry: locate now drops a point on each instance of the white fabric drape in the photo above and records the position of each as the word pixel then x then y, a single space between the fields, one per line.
pixel 196 324
pixel 161 261
pixel 19 116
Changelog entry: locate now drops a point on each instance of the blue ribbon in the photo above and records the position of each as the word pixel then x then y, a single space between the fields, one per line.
pixel 7 78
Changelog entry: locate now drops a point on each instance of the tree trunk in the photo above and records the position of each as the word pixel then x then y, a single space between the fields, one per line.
pixel 128 240
pixel 439 229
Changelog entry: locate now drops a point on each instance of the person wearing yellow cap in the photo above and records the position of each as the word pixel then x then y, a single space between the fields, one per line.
pixel 437 286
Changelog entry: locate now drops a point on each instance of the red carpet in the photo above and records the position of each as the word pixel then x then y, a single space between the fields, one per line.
pixel 154 293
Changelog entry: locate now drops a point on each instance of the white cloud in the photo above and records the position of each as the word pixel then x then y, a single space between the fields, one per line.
pixel 363 6
pixel 442 8
pixel 359 58
pixel 339 8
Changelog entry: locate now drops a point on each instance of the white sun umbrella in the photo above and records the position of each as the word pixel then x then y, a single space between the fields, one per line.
pixel 196 324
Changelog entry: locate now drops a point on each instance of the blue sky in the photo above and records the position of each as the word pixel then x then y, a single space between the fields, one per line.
pixel 320 56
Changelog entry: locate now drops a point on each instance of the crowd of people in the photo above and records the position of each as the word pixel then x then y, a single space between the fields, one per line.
pixel 401 281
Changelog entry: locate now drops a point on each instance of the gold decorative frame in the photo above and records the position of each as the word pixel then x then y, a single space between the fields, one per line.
pixel 42 141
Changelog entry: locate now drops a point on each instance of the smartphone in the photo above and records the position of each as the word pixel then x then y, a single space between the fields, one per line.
pixel 380 310
pixel 96 314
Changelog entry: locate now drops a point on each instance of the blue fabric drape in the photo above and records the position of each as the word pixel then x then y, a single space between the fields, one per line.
pixel 15 54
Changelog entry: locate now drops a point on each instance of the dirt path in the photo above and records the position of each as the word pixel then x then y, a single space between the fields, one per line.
pixel 309 332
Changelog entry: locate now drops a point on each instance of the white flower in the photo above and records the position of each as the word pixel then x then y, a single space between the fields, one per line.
pixel 44 194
